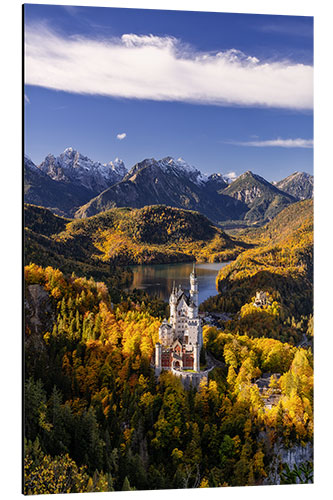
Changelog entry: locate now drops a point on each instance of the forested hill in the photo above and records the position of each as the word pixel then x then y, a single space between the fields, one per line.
pixel 281 263
pixel 42 221
pixel 152 224
pixel 123 236
pixel 284 225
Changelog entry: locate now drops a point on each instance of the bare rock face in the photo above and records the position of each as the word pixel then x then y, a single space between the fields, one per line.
pixel 249 195
pixel 296 455
pixel 263 200
pixel 298 184
pixel 39 316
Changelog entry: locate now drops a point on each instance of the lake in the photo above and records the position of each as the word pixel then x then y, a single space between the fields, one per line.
pixel 158 279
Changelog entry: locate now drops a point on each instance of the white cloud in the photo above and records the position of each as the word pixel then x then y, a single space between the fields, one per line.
pixel 230 176
pixel 121 136
pixel 26 98
pixel 281 143
pixel 162 69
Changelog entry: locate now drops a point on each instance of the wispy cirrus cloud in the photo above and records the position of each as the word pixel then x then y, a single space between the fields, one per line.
pixel 121 136
pixel 72 10
pixel 281 143
pixel 26 99
pixel 299 29
pixel 162 69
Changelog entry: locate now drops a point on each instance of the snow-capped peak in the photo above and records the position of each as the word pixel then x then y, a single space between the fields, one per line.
pixel 180 166
pixel 117 165
pixel 72 166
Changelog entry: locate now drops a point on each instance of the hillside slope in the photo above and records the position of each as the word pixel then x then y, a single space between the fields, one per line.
pixel 281 263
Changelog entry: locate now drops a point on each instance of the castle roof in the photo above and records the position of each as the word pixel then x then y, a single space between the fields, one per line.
pixel 177 341
pixel 179 294
pixel 165 324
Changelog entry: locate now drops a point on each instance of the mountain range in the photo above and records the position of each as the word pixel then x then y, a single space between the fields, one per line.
pixel 167 182
pixel 72 185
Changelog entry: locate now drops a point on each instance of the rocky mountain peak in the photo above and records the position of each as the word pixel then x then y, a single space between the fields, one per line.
pixel 71 166
pixel 29 163
pixel 298 184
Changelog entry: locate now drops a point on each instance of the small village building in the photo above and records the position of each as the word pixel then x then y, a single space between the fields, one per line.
pixel 261 299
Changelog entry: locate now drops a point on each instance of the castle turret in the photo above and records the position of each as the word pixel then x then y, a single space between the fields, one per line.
pixel 191 311
pixel 158 360
pixel 173 305
pixel 194 293
pixel 196 356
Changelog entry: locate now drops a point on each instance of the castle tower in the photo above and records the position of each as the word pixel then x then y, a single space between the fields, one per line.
pixel 191 311
pixel 158 360
pixel 173 305
pixel 196 355
pixel 194 293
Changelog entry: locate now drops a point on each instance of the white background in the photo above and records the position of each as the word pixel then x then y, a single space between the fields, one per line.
pixel 10 234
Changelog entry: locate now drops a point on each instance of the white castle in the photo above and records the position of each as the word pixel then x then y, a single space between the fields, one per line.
pixel 180 338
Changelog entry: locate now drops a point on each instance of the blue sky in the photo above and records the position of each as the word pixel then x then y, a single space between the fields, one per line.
pixel 227 92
